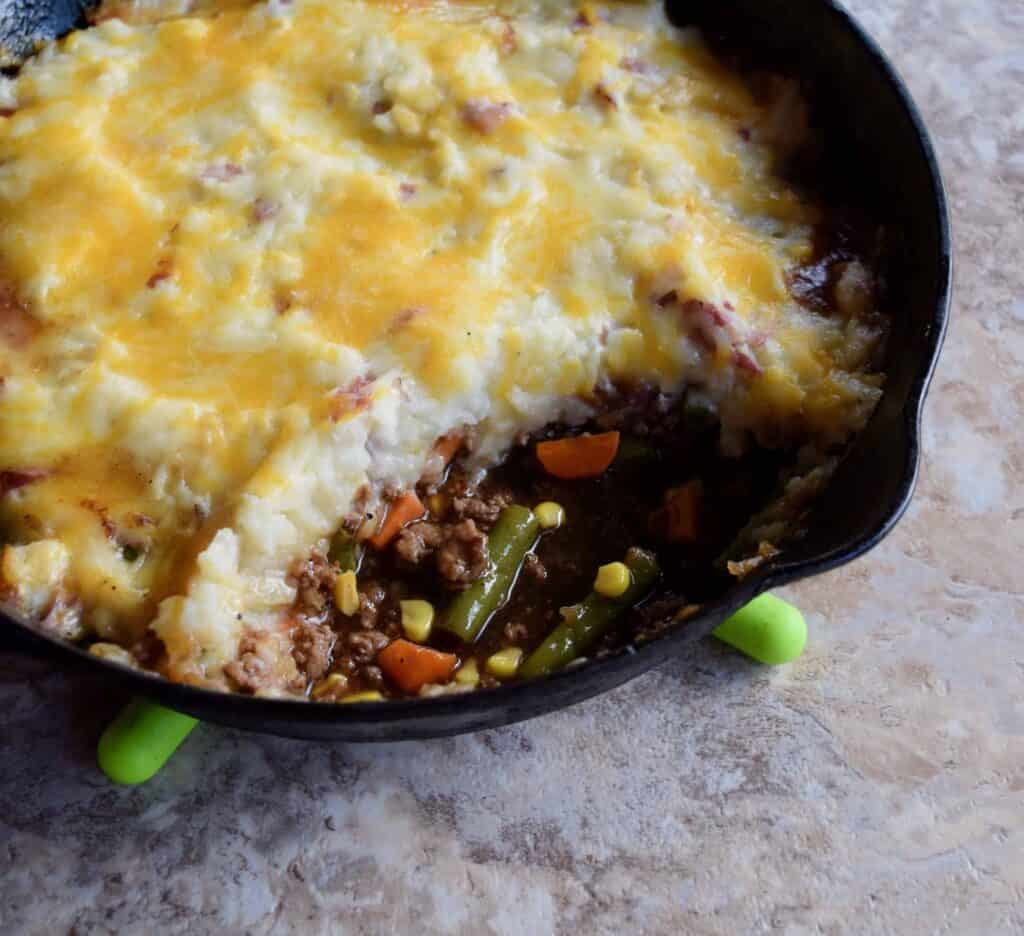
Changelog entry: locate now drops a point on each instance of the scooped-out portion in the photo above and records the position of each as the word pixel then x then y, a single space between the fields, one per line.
pixel 357 349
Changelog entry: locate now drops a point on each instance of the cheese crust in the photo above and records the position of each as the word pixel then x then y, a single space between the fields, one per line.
pixel 256 259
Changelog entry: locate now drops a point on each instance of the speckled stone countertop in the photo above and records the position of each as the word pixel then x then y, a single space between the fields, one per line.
pixel 875 786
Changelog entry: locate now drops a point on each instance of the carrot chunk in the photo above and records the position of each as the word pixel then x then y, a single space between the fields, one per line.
pixel 582 456
pixel 403 509
pixel 678 519
pixel 410 666
pixel 447 446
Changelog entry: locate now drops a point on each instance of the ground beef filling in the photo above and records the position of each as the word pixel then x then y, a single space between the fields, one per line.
pixel 314 579
pixel 337 653
pixel 458 551
pixel 254 670
pixel 311 649
pixel 312 637
pixel 452 541
pixel 331 655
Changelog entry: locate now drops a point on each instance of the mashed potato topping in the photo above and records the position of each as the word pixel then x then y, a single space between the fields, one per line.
pixel 255 260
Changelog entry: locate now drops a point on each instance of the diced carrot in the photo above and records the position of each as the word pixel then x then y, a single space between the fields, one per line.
pixel 677 520
pixel 403 509
pixel 582 456
pixel 448 445
pixel 410 666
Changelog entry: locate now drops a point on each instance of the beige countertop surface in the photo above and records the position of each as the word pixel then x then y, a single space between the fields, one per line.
pixel 875 786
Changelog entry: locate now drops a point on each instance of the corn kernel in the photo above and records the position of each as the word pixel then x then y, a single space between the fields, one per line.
pixel 505 663
pixel 331 688
pixel 113 653
pixel 613 579
pixel 468 674
pixel 371 695
pixel 346 595
pixel 407 120
pixel 417 619
pixel 549 515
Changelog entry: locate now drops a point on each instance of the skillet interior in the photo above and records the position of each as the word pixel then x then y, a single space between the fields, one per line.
pixel 878 142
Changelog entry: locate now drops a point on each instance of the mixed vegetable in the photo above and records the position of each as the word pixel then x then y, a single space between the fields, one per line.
pixel 410 664
pixel 473 579
pixel 547 559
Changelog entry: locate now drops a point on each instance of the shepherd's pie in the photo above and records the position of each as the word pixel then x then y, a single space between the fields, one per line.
pixel 256 260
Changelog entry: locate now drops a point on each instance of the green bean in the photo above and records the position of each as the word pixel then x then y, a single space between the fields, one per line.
pixel 511 539
pixel 345 551
pixel 633 450
pixel 590 620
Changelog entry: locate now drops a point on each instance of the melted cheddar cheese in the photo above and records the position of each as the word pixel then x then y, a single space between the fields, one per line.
pixel 258 257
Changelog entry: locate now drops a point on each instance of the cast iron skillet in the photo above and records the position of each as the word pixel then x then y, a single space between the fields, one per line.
pixel 877 136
